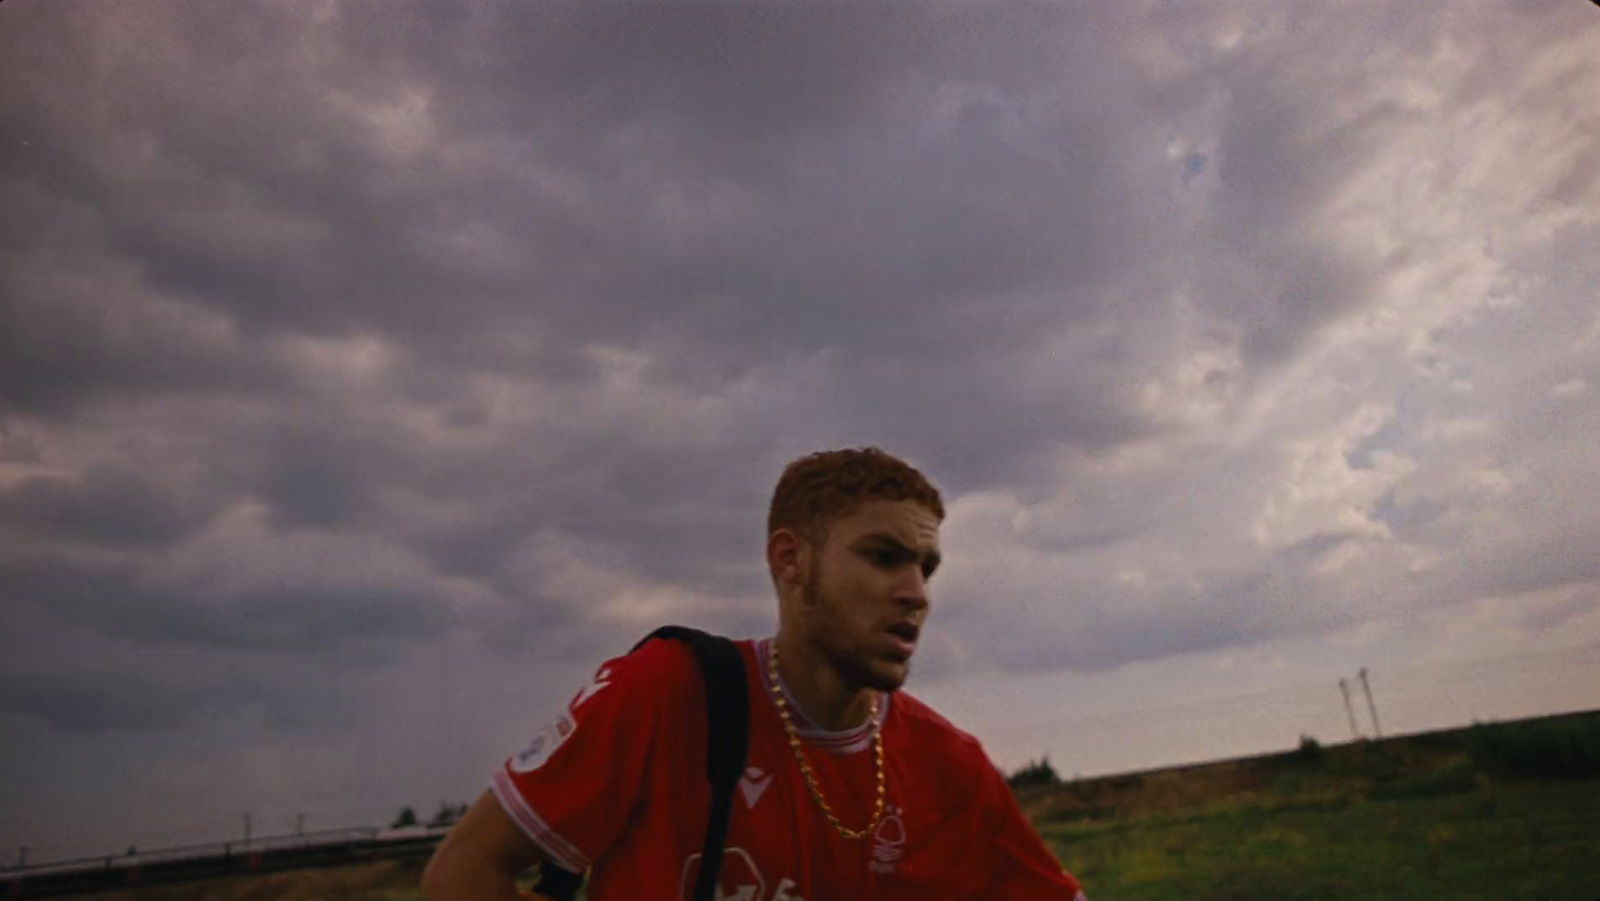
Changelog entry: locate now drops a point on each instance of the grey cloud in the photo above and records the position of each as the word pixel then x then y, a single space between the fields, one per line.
pixel 1084 626
pixel 816 263
pixel 105 506
pixel 1557 615
pixel 925 250
pixel 57 348
pixel 956 231
pixel 817 267
pixel 78 701
pixel 1555 556
pixel 146 691
pixel 313 477
pixel 18 448
pixel 355 626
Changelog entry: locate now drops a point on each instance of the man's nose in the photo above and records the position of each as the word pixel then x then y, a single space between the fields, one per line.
pixel 914 597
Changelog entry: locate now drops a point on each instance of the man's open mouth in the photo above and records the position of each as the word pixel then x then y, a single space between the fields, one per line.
pixel 903 636
pixel 908 631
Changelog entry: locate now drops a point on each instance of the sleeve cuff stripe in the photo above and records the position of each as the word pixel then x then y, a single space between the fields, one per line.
pixel 560 850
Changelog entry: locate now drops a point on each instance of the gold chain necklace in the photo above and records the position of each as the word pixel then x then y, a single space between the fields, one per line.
pixel 805 767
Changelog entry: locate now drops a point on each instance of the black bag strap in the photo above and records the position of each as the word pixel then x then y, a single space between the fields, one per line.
pixel 557 882
pixel 727 736
pixel 722 671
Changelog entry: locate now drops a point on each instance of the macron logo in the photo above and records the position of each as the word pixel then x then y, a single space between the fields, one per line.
pixel 753 784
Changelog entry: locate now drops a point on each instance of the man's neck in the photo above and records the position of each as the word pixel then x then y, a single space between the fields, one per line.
pixel 817 687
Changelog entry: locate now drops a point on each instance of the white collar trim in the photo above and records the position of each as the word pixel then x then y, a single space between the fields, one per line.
pixel 844 741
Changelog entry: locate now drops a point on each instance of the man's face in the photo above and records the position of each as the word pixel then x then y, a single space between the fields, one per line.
pixel 867 596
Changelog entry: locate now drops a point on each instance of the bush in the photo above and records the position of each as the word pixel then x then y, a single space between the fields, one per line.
pixel 1035 773
pixel 448 814
pixel 1310 750
pixel 1551 749
pixel 406 817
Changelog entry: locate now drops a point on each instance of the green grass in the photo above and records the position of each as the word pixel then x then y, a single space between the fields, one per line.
pixel 1556 748
pixel 1527 841
pixel 1311 839
pixel 1494 812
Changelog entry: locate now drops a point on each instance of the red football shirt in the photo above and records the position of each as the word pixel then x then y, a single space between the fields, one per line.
pixel 617 783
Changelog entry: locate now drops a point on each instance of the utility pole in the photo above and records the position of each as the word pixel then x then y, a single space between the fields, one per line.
pixel 299 824
pixel 1370 706
pixel 1344 689
pixel 22 856
pixel 247 832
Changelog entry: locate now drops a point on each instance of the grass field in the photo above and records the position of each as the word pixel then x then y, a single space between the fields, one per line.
pixel 1529 842
pixel 385 881
pixel 1520 841
pixel 1493 811
pixel 1496 812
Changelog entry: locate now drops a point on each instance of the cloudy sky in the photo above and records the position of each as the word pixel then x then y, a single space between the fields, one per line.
pixel 370 372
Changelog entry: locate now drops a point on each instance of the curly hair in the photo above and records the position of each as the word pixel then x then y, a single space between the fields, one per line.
pixel 820 488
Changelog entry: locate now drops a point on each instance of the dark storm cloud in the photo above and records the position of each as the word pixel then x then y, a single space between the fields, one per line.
pixel 931 198
pixel 936 197
pixel 74 334
pixel 898 260
pixel 948 225
pixel 1557 615
pixel 361 358
pixel 1082 627
pixel 219 168
pixel 124 687
pixel 120 600
pixel 105 506
pixel 18 449
pixel 76 701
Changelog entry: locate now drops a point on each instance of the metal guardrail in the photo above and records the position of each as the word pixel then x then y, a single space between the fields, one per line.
pixel 329 847
pixel 204 849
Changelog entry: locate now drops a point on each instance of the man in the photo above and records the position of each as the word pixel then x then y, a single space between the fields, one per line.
pixel 852 788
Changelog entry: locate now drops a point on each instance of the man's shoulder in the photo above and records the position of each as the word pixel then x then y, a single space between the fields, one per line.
pixel 651 667
pixel 932 733
pixel 662 663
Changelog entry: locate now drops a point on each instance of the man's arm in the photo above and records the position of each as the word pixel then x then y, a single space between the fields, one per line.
pixel 1022 867
pixel 480 859
pixel 566 797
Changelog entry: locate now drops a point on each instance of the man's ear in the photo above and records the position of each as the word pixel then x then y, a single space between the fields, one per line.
pixel 788 557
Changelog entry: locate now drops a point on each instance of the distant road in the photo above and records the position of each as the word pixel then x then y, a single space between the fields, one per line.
pixel 326 848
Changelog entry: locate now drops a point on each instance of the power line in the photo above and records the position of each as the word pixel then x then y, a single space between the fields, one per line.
pixel 1303 693
pixel 1370 706
pixel 1344 689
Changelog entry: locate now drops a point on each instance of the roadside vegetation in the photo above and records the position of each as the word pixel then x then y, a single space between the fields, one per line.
pixel 1493 811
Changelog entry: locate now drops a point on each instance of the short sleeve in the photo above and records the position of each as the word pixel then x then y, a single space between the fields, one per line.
pixel 1022 867
pixel 573 787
